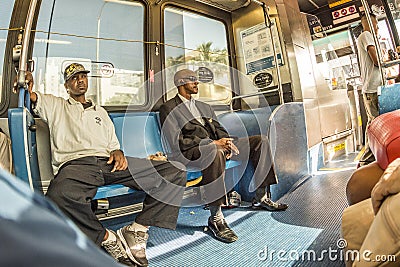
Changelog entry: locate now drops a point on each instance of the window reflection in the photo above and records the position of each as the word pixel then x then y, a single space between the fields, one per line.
pixel 109 42
pixel 188 45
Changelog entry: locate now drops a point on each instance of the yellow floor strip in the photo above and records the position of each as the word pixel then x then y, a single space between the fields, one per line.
pixel 336 169
pixel 194 182
pixel 360 154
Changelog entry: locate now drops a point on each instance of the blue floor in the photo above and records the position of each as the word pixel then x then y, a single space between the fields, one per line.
pixel 307 234
pixel 259 235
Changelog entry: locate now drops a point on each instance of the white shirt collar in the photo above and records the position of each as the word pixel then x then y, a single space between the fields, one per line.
pixel 184 99
pixel 74 102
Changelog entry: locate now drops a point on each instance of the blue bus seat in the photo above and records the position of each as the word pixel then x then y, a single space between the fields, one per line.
pixel 138 132
pixel 23 145
pixel 389 98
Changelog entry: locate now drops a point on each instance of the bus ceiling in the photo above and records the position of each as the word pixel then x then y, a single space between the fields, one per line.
pixel 306 6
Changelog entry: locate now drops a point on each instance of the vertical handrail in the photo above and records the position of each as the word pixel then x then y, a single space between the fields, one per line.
pixel 268 24
pixel 393 28
pixel 376 41
pixel 21 83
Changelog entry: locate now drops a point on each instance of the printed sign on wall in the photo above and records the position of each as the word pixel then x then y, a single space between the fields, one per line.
pixel 257 48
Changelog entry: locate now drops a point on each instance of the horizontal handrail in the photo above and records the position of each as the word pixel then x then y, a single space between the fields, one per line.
pixel 252 94
pixel 391 63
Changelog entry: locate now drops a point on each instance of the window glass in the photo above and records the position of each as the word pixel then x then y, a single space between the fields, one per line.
pixel 198 43
pixel 6 7
pixel 387 46
pixel 108 41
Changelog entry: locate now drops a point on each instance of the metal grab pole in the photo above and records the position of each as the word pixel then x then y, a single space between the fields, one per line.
pixel 251 95
pixel 391 22
pixel 268 24
pixel 376 41
pixel 24 53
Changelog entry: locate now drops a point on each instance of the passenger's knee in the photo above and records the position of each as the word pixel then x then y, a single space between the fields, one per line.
pixel 179 173
pixel 61 192
pixel 181 177
pixel 352 189
pixel 56 192
pixel 220 154
pixel 257 141
pixel 361 183
pixel 220 158
pixel 258 138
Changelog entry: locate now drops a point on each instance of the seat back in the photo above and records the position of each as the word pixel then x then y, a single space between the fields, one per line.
pixel 247 122
pixel 138 133
pixel 389 98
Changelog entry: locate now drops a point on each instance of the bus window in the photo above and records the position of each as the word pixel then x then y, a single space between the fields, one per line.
pixel 188 45
pixel 6 7
pixel 386 44
pixel 108 42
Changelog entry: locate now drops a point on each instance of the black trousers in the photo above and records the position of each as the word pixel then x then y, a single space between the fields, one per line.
pixel 77 181
pixel 212 162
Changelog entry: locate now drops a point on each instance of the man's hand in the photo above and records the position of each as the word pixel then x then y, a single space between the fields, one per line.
pixel 228 146
pixel 29 82
pixel 388 184
pixel 119 159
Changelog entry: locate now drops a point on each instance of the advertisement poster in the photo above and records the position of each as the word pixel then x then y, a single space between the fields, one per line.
pixel 257 48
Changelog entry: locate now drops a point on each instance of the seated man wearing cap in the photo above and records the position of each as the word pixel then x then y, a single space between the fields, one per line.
pixel 197 139
pixel 86 154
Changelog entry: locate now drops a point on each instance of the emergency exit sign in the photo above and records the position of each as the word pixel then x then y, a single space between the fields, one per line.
pixel 334 3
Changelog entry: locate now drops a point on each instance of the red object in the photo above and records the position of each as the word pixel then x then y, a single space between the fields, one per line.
pixel 151 76
pixel 384 137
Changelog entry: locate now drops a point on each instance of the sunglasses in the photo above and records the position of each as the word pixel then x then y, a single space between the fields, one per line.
pixel 191 78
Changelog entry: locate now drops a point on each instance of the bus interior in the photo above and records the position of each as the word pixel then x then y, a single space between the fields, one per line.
pixel 310 106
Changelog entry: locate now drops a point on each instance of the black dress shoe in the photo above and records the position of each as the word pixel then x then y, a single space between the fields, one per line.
pixel 222 231
pixel 268 204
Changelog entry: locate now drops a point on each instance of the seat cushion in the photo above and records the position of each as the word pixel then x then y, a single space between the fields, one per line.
pixel 389 98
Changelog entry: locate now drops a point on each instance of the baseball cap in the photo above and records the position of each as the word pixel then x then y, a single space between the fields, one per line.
pixel 73 69
pixel 184 74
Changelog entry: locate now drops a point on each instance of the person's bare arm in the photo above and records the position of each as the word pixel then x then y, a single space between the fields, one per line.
pixel 372 54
